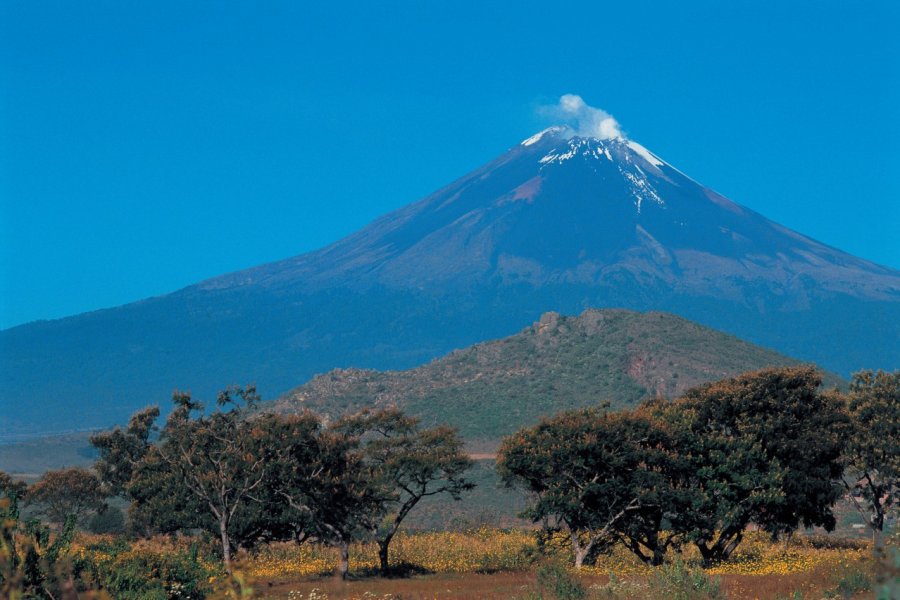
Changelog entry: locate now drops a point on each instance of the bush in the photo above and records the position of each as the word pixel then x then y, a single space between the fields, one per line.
pixel 678 581
pixel 34 563
pixel 109 521
pixel 832 542
pixel 145 573
pixel 554 579
pixel 617 588
pixel 849 584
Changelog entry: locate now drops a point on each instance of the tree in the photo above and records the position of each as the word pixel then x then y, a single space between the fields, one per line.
pixel 406 464
pixel 294 447
pixel 160 502
pixel 204 468
pixel 110 521
pixel 727 482
pixel 10 487
pixel 122 451
pixel 766 448
pixel 602 477
pixel 322 477
pixel 873 451
pixel 67 493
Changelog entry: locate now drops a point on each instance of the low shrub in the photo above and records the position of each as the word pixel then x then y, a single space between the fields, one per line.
pixel 678 581
pixel 832 542
pixel 850 583
pixel 617 588
pixel 35 562
pixel 146 573
pixel 554 579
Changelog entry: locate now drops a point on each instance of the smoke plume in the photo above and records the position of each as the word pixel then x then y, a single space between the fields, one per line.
pixel 582 119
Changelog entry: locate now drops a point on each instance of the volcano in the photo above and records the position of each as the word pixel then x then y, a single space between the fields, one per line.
pixel 557 223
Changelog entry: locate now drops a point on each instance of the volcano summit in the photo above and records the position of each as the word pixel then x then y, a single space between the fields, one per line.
pixel 560 222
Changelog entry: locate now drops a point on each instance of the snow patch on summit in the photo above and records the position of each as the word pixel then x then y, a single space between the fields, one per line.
pixel 621 153
pixel 640 188
pixel 537 137
pixel 574 145
pixel 645 154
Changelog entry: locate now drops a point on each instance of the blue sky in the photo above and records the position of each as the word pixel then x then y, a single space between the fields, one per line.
pixel 147 146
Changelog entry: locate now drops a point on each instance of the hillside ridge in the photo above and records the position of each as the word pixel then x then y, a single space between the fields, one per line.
pixel 491 388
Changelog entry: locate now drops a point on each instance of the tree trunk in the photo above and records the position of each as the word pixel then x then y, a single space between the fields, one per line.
pixel 705 553
pixel 721 550
pixel 877 522
pixel 383 545
pixel 343 569
pixel 580 555
pixel 731 546
pixel 226 544
pixel 581 552
pixel 651 543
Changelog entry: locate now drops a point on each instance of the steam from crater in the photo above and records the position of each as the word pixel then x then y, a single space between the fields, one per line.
pixel 582 119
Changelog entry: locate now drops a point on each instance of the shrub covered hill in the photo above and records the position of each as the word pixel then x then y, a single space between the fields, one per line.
pixel 491 389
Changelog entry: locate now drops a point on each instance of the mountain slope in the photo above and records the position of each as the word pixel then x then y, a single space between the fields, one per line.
pixel 555 223
pixel 494 388
pixel 579 211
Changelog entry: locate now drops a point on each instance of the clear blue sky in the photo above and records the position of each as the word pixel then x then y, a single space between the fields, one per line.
pixel 146 146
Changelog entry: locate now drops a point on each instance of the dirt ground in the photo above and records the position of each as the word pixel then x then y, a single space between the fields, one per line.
pixel 515 585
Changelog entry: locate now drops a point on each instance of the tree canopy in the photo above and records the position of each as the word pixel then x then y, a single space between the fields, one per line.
pixel 766 449
pixel 873 451
pixel 762 448
pixel 601 477
pixel 406 464
pixel 249 476
pixel 67 493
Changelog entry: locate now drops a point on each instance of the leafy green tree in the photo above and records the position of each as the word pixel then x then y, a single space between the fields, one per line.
pixel 766 448
pixel 726 482
pixel 67 493
pixel 295 449
pixel 601 477
pixel 160 502
pixel 205 467
pixel 873 451
pixel 406 464
pixel 323 479
pixel 121 451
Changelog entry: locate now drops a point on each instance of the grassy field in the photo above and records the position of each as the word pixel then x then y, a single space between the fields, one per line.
pixel 490 563
pixel 496 563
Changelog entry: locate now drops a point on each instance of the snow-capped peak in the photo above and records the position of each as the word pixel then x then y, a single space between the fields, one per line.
pixel 645 154
pixel 537 137
pixel 637 166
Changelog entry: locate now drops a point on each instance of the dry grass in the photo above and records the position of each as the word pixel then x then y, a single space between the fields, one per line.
pixel 493 563
pixel 489 563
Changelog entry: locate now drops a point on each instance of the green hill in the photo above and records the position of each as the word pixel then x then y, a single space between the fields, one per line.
pixel 491 389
